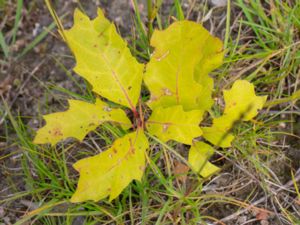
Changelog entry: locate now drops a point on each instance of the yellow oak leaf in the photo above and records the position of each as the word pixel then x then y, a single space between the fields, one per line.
pixel 199 154
pixel 78 121
pixel 109 172
pixel 180 64
pixel 212 58
pixel 173 123
pixel 219 133
pixel 241 101
pixel 241 104
pixel 104 59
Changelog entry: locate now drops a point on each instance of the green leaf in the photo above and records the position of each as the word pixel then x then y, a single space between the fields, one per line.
pixel 78 121
pixel 184 55
pixel 104 59
pixel 199 154
pixel 241 104
pixel 109 172
pixel 173 123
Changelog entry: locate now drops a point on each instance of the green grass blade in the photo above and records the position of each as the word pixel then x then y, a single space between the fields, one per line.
pixel 179 12
pixel 227 25
pixel 37 40
pixel 3 45
pixel 248 13
pixel 295 96
pixel 140 26
pixel 150 25
pixel 17 20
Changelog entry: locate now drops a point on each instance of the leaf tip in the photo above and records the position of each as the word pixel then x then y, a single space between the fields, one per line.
pixel 100 13
pixel 79 16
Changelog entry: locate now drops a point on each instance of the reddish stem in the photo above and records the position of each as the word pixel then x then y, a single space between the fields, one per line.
pixel 135 113
pixel 141 119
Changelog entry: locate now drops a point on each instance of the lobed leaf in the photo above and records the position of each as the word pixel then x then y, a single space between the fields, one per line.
pixel 241 101
pixel 241 104
pixel 199 154
pixel 184 55
pixel 219 133
pixel 78 121
pixel 173 123
pixel 104 59
pixel 109 172
pixel 180 87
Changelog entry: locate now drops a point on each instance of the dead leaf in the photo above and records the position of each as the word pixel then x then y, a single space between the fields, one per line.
pixel 261 214
pixel 5 85
pixel 180 171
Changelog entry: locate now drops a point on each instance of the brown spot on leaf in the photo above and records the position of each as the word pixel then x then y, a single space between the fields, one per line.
pixel 57 132
pixel 165 127
pixel 132 150
pixel 107 109
pixel 167 91
pixel 100 34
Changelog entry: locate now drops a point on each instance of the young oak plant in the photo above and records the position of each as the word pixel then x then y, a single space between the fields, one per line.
pixel 180 92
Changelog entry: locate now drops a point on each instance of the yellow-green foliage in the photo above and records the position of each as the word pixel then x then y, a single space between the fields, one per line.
pixel 108 173
pixel 199 155
pixel 241 103
pixel 180 88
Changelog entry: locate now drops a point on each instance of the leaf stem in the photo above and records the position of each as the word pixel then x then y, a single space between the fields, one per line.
pixel 141 119
pixel 135 113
